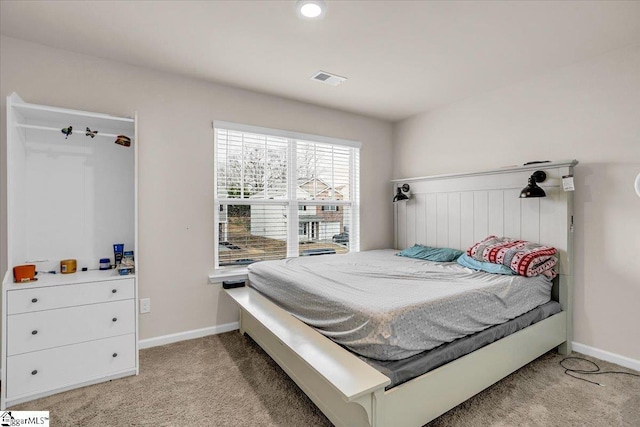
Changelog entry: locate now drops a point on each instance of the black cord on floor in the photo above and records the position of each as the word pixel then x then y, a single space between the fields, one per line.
pixel 595 371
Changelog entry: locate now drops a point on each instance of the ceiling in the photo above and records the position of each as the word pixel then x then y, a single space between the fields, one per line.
pixel 401 57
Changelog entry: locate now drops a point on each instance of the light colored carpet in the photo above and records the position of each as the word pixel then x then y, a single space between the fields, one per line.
pixel 227 380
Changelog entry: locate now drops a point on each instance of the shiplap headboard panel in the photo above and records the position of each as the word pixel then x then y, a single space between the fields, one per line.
pixel 457 210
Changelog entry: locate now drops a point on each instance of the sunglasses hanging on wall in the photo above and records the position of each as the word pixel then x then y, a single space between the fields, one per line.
pixel 123 140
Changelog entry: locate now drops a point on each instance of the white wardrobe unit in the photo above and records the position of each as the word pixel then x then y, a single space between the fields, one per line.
pixel 68 197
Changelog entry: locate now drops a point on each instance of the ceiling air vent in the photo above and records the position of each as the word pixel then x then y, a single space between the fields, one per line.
pixel 328 78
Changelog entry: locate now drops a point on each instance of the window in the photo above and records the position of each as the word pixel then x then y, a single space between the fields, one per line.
pixel 272 189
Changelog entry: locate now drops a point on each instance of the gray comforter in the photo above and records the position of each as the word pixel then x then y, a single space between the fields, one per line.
pixel 389 308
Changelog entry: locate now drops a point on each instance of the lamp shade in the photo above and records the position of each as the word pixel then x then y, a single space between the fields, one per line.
pixel 400 196
pixel 532 189
pixel 402 193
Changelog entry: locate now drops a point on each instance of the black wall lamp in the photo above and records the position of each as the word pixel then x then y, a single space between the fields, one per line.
pixel 402 193
pixel 532 190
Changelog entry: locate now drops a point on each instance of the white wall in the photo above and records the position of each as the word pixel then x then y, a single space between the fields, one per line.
pixel 589 111
pixel 176 165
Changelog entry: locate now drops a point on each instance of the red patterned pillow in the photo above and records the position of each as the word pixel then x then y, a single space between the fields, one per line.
pixel 523 257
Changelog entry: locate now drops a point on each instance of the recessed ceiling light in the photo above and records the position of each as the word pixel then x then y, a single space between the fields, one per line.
pixel 311 9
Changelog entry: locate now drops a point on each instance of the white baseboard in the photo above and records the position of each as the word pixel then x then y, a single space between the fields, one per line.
pixel 187 335
pixel 625 361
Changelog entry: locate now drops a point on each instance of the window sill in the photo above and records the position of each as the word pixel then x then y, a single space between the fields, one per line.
pixel 220 275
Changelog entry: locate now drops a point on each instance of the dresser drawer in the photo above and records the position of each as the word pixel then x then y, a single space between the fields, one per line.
pixel 45 370
pixel 36 299
pixel 54 328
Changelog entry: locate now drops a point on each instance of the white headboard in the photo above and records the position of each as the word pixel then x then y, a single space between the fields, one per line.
pixel 457 210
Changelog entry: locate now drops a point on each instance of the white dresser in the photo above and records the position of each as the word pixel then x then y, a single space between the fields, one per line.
pixel 67 331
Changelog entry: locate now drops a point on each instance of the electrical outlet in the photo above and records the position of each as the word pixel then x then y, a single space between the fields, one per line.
pixel 145 305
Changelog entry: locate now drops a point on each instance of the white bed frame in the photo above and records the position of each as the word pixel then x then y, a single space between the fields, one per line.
pixel 448 211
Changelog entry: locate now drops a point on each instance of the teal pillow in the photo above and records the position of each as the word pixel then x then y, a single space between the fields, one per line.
pixel 489 267
pixel 431 254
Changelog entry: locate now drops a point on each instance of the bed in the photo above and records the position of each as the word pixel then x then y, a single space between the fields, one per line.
pixel 386 307
pixel 444 211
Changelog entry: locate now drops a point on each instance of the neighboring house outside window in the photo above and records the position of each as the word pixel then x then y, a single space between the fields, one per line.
pixel 272 189
pixel 332 208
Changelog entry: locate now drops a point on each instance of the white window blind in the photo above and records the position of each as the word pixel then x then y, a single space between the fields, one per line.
pixel 251 166
pixel 281 194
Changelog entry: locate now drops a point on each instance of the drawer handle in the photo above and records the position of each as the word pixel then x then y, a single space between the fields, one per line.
pixel 34 332
pixel 35 371
pixel 115 319
pixel 113 291
pixel 115 354
pixel 34 300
